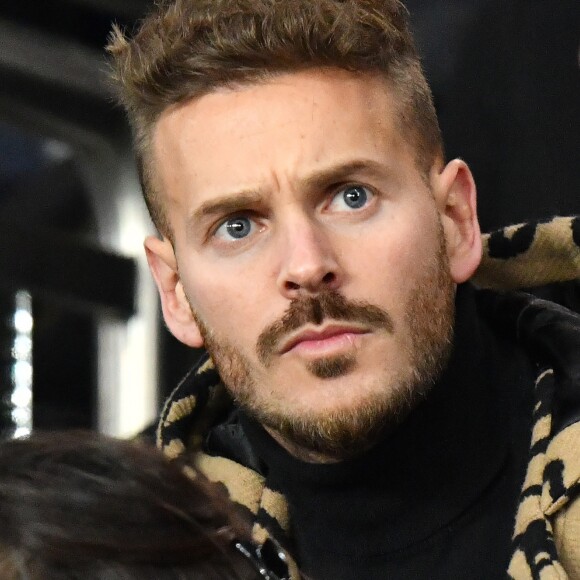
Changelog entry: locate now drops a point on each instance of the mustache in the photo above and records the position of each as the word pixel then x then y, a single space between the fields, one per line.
pixel 314 310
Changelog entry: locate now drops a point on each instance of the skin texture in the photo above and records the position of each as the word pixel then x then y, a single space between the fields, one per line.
pixel 332 317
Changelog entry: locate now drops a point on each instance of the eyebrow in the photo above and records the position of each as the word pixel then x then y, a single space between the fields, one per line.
pixel 227 204
pixel 237 202
pixel 339 172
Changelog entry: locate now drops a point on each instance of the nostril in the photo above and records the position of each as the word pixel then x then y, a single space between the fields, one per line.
pixel 313 285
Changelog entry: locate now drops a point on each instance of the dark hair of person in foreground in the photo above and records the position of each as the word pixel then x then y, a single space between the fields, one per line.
pixel 79 505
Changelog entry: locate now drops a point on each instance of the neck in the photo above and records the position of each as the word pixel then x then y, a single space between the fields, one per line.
pixel 298 451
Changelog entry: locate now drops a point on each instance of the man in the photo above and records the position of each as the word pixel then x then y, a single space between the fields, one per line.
pixel 361 399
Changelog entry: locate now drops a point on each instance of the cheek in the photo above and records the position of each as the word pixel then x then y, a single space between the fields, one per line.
pixel 396 251
pixel 391 262
pixel 228 303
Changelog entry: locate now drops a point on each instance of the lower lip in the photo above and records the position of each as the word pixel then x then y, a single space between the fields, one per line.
pixel 329 346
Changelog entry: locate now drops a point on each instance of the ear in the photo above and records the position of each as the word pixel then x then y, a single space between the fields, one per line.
pixel 176 310
pixel 456 198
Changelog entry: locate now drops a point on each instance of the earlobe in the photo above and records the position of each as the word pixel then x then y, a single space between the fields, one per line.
pixel 456 197
pixel 176 309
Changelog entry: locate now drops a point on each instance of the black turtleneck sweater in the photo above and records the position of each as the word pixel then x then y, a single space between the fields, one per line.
pixel 436 498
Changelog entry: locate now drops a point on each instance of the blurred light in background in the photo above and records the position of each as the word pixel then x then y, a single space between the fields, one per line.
pixel 21 398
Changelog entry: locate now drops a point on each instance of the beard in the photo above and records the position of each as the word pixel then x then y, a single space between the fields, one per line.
pixel 336 434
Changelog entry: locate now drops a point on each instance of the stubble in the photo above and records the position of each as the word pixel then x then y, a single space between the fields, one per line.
pixel 340 433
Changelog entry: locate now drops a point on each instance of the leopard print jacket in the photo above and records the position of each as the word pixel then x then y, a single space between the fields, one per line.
pixel 546 540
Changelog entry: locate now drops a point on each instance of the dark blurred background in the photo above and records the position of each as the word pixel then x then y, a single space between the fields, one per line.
pixel 81 341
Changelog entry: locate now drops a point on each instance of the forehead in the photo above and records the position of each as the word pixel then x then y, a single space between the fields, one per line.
pixel 282 129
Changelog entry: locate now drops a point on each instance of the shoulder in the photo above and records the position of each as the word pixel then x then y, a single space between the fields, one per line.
pixel 530 255
pixel 547 528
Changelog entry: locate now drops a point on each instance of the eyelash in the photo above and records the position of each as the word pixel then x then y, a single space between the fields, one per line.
pixel 251 215
pixel 353 185
pixel 248 214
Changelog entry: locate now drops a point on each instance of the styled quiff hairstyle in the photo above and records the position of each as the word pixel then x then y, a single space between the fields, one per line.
pixel 188 48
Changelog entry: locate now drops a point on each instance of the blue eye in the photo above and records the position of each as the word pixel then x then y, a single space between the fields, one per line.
pixel 237 228
pixel 351 197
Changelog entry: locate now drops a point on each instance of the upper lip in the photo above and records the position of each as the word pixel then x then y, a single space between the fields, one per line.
pixel 319 334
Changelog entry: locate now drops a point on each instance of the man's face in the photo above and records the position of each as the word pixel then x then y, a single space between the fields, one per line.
pixel 311 252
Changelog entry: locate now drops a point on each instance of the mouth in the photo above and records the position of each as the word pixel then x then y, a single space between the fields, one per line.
pixel 324 341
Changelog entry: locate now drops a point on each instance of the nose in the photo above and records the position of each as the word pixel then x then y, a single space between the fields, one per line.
pixel 308 261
